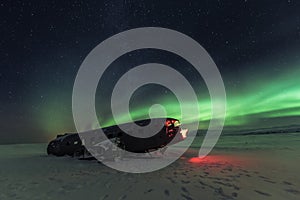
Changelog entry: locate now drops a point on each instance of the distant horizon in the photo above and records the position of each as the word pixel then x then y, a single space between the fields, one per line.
pixel 259 131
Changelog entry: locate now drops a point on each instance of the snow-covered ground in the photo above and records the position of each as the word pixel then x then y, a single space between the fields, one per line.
pixel 240 167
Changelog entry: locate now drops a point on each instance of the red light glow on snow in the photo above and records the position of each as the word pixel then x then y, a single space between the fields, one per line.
pixel 218 159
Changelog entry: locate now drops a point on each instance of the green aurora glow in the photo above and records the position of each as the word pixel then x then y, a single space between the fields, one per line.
pixel 274 97
pixel 269 98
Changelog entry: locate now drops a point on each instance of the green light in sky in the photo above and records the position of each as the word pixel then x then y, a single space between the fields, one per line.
pixel 273 97
pixel 279 97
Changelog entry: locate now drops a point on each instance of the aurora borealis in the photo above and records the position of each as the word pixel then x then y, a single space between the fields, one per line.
pixel 273 99
pixel 255 45
pixel 276 97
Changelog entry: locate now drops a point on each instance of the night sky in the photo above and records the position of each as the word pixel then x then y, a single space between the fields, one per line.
pixel 255 44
